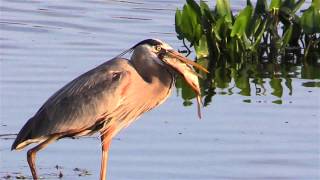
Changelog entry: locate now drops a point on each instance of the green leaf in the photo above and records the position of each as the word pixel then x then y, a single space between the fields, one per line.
pixel 288 83
pixel 197 33
pixel 288 3
pixel 195 7
pixel 261 7
pixel 286 37
pixel 292 6
pixel 245 42
pixel 217 28
pixel 202 48
pixel 297 6
pixel 205 10
pixel 178 17
pixel 275 84
pixel 187 22
pixel 259 11
pixel 275 5
pixel 310 20
pixel 242 82
pixel 232 46
pixel 242 22
pixel 316 4
pixel 311 84
pixel 223 9
pixel 222 77
pixel 279 101
pixel 296 34
pixel 247 100
pixel 190 17
pixel 256 25
pixel 186 92
pixel 310 72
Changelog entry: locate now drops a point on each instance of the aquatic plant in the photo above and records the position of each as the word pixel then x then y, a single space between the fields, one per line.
pixel 239 49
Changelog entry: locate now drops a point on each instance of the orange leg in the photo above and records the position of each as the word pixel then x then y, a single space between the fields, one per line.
pixel 105 143
pixel 31 154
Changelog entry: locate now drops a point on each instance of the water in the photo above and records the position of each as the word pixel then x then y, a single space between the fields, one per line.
pixel 45 44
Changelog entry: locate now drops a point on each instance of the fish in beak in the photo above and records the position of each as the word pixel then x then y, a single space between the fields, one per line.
pixel 184 67
pixel 175 60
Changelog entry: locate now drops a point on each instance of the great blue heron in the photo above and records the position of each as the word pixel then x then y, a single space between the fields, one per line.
pixel 108 98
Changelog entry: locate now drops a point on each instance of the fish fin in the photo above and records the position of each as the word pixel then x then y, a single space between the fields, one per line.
pixel 199 103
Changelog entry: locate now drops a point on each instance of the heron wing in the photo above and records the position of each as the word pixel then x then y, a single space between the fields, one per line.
pixel 80 104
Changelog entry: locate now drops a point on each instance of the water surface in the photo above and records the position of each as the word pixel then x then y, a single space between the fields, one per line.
pixel 45 44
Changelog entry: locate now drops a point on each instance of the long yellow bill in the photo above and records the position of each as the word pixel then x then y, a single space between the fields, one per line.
pixel 182 58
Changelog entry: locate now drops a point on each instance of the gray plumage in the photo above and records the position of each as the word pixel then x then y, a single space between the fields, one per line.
pixel 93 100
pixel 108 98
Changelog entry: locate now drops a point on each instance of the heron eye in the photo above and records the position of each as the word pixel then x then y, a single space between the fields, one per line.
pixel 158 48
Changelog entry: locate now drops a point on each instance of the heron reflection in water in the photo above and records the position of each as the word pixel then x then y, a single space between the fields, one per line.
pixel 108 98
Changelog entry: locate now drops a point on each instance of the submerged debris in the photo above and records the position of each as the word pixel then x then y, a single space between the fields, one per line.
pixel 21 177
pixel 58 167
pixel 82 172
pixel 60 175
pixel 8 176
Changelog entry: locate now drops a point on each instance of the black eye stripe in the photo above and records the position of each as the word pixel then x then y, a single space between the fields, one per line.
pixel 151 42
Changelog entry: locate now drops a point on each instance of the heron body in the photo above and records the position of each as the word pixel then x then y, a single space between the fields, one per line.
pixel 104 99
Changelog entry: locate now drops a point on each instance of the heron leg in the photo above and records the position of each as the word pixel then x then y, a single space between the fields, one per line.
pixel 31 154
pixel 105 143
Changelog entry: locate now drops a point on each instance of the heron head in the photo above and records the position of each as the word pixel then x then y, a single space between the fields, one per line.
pixel 165 54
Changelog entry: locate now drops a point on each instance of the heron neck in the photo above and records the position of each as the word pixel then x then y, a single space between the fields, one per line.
pixel 148 66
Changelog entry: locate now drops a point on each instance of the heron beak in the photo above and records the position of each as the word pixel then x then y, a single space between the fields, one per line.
pixel 182 58
pixel 184 67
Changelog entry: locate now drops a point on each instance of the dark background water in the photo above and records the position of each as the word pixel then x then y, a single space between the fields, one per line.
pixel 45 44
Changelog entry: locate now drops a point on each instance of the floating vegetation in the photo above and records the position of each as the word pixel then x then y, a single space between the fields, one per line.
pixel 274 41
